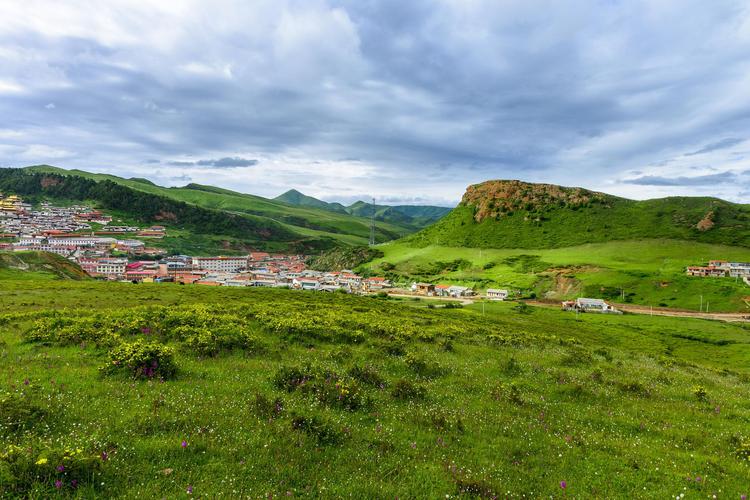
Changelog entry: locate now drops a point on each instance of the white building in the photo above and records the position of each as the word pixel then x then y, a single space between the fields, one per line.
pixel 497 294
pixel 111 267
pixel 220 264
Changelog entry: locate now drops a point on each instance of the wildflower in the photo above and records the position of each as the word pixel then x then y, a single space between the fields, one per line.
pixel 60 468
pixel 41 461
pixel 74 483
pixel 563 484
pixel 189 490
pixel 105 456
pixel 58 484
pixel 184 444
pixel 413 445
pixel 26 382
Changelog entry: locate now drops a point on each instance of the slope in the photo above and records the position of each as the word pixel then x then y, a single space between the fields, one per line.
pixel 38 265
pixel 316 221
pixel 514 214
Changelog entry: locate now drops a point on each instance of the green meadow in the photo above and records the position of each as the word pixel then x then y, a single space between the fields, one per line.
pixel 648 272
pixel 168 391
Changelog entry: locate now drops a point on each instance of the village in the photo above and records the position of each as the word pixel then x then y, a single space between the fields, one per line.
pixel 722 269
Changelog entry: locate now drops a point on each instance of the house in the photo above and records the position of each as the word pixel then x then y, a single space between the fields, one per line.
pixel 589 305
pixel 376 283
pixel 442 290
pixel 426 289
pixel 706 271
pixel 306 283
pixel 497 294
pixel 460 291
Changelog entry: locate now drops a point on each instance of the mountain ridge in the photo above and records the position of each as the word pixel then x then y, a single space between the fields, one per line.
pixel 517 214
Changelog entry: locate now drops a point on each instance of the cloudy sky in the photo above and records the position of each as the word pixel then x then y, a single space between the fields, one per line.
pixel 407 101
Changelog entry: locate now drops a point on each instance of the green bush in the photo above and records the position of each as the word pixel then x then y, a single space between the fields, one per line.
pixel 407 390
pixel 23 469
pixel 424 364
pixel 317 428
pixel 19 411
pixel 211 342
pixel 142 360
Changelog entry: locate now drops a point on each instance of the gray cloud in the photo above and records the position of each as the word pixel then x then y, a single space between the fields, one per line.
pixel 225 162
pixel 722 144
pixel 425 96
pixel 699 180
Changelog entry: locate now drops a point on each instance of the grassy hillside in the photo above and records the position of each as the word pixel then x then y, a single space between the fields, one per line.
pixel 651 272
pixel 38 266
pixel 316 222
pixel 413 217
pixel 294 197
pixel 513 214
pixel 260 393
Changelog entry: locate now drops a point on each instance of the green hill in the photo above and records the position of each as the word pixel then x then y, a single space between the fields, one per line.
pixel 413 217
pixel 294 197
pixel 281 226
pixel 38 265
pixel 514 214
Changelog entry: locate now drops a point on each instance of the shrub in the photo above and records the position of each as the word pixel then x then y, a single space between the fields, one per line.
pixel 212 342
pixel 423 364
pixel 700 393
pixel 266 408
pixel 19 411
pixel 577 356
pixel 142 360
pixel 317 428
pixel 289 378
pixel 367 374
pixel 408 390
pixel 635 387
pixel 604 353
pixel 509 392
pixel 23 469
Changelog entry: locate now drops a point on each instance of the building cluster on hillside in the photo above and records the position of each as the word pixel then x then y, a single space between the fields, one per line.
pixel 431 290
pixel 67 231
pixel 721 269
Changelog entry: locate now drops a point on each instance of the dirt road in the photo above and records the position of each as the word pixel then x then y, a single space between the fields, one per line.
pixel 658 311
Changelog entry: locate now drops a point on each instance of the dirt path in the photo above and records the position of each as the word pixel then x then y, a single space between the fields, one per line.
pixel 657 311
pixel 464 301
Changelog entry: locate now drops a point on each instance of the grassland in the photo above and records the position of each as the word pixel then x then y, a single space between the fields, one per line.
pixel 29 266
pixel 282 393
pixel 650 272
pixel 557 224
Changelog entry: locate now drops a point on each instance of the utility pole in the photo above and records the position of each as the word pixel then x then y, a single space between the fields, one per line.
pixel 701 308
pixel 372 225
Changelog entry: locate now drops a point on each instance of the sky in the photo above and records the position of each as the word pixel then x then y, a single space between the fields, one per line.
pixel 404 101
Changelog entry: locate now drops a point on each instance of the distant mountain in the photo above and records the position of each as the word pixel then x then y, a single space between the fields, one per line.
pixel 294 197
pixel 516 214
pixel 214 220
pixel 411 216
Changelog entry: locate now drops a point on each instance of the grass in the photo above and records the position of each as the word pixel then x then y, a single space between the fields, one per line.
pixel 651 272
pixel 553 226
pixel 396 399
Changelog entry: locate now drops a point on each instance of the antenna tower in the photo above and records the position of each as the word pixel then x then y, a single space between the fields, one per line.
pixel 372 224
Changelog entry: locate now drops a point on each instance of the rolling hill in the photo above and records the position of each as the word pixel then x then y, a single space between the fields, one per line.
pixel 412 216
pixel 220 220
pixel 515 214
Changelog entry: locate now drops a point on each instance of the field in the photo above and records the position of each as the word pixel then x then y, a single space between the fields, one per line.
pixel 127 391
pixel 648 272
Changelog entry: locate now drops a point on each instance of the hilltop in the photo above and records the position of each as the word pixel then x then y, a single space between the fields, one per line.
pixel 38 265
pixel 515 214
pixel 209 219
pixel 414 217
